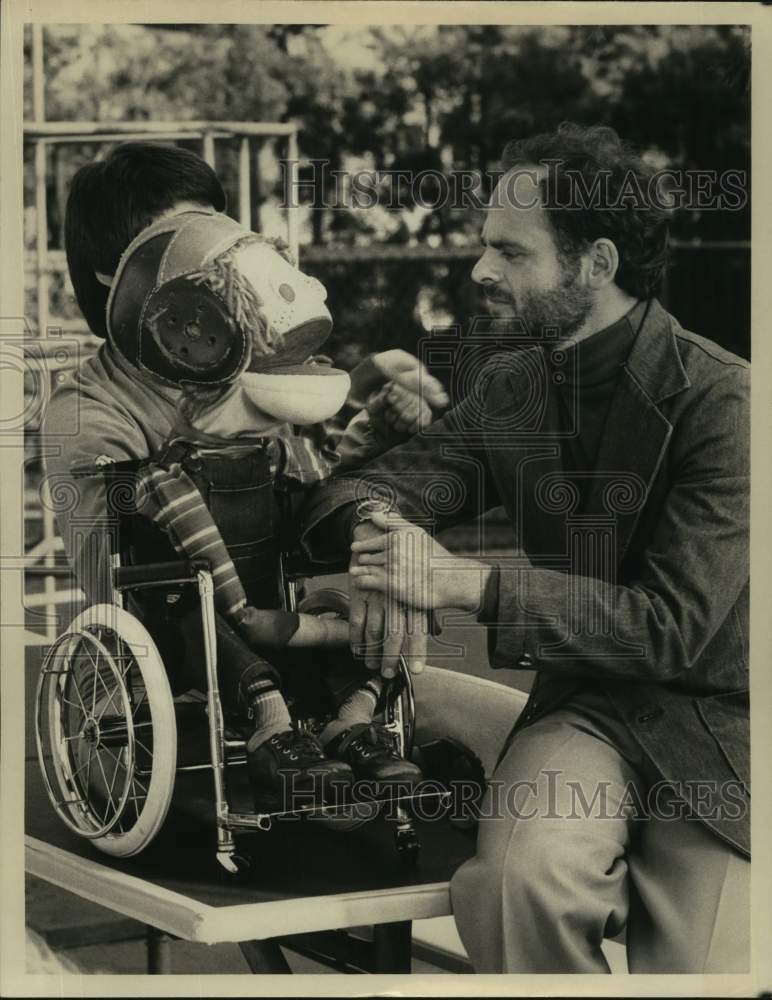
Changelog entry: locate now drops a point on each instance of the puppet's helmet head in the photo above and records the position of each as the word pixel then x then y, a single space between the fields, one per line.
pixel 198 300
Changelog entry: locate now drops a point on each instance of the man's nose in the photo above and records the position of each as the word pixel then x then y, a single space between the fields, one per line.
pixel 483 272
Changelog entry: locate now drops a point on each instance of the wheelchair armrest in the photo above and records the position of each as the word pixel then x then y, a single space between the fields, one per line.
pixel 152 574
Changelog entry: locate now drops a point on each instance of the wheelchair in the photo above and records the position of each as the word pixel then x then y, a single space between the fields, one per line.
pixel 107 721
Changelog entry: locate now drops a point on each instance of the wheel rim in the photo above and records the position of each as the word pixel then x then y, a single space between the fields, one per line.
pixel 86 733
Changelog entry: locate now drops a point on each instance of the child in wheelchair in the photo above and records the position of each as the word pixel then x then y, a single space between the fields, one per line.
pixel 221 314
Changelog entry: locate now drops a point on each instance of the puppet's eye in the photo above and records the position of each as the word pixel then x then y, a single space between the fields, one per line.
pixel 287 293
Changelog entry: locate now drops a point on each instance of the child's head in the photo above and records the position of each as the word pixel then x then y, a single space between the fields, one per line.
pixel 112 200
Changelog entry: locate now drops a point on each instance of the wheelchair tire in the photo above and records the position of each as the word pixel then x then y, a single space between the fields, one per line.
pixel 329 601
pixel 104 701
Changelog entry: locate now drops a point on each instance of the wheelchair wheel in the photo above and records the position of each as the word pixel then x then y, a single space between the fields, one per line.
pixel 105 730
pixel 332 603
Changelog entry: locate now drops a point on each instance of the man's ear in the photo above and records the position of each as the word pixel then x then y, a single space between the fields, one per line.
pixel 104 279
pixel 604 263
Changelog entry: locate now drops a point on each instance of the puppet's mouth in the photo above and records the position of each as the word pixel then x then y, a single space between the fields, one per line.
pixel 299 344
pixel 297 394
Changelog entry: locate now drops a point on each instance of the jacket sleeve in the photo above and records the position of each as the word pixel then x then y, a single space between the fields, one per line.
pixel 440 477
pixel 364 439
pixel 655 626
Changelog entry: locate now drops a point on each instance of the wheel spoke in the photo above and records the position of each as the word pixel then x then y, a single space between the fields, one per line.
pixel 115 773
pixel 87 764
pixel 108 751
pixel 136 779
pixel 73 677
pixel 141 699
pixel 119 763
pixel 88 768
pixel 109 796
pixel 78 708
pixel 75 773
pixel 110 697
pixel 95 665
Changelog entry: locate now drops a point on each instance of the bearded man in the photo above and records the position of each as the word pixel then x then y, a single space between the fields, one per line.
pixel 617 442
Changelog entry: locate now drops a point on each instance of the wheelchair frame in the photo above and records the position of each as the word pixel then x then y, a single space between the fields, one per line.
pixel 223 752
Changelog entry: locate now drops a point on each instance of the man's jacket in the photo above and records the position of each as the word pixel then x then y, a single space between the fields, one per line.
pixel 633 576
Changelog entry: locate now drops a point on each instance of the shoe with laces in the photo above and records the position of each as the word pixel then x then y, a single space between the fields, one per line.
pixel 290 770
pixel 370 750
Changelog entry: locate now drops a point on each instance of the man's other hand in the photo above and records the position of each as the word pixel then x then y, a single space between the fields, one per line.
pixel 405 564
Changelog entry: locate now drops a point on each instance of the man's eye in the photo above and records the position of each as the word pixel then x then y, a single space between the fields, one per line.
pixel 510 254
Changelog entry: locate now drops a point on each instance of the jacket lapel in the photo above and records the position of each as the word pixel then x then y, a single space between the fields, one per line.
pixel 637 432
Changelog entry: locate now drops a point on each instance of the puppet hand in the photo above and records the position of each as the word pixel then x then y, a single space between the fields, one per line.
pixel 396 411
pixel 403 370
pixel 410 375
pixel 259 627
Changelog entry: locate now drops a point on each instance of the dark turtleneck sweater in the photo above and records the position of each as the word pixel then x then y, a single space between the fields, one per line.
pixel 595 366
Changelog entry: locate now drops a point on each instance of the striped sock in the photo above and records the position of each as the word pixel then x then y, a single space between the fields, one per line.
pixel 269 712
pixel 359 707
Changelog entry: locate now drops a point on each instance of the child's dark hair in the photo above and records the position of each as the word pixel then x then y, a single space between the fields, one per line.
pixel 113 200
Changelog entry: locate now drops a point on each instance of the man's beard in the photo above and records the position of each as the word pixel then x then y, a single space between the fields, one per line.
pixel 563 308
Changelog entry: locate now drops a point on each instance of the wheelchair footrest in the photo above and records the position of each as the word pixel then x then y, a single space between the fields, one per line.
pixel 263 820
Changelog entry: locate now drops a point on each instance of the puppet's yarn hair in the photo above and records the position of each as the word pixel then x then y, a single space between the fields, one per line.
pixel 223 277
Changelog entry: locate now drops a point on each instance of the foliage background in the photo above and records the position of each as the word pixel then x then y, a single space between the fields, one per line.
pixel 421 98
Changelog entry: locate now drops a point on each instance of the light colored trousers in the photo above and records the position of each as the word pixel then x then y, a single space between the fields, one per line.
pixel 541 894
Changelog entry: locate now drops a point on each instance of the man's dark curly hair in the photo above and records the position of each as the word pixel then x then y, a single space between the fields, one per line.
pixel 619 207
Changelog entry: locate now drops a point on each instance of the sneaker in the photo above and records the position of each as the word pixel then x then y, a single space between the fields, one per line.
pixel 370 750
pixel 290 771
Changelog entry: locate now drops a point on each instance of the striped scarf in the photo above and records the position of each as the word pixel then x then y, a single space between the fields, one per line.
pixel 167 496
pixel 170 498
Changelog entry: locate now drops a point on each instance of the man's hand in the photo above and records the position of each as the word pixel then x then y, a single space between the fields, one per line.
pixel 398 391
pixel 380 628
pixel 406 565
